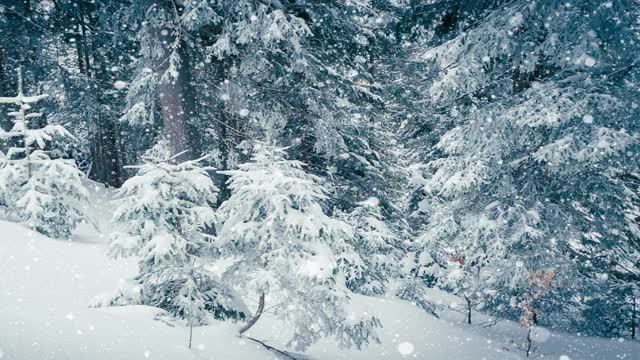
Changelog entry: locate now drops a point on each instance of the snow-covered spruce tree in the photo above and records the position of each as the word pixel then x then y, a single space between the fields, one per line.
pixel 625 268
pixel 615 311
pixel 45 192
pixel 541 114
pixel 288 250
pixel 162 216
pixel 418 271
pixel 376 246
pixel 55 200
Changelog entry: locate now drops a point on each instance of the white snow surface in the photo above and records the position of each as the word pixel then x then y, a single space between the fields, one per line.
pixel 46 286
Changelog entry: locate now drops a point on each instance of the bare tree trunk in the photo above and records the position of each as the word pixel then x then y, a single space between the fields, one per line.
pixel 106 157
pixel 3 59
pixel 255 317
pixel 83 38
pixel 173 114
pixel 529 342
pixel 468 309
pixel 105 154
pixel 190 320
pixel 633 320
pixel 172 87
pixel 271 348
pixel 80 57
pixel 4 121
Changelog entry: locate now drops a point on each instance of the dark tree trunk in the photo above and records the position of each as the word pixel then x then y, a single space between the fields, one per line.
pixel 83 39
pixel 5 123
pixel 223 147
pixel 469 306
pixel 633 320
pixel 228 130
pixel 105 165
pixel 529 342
pixel 3 60
pixel 105 154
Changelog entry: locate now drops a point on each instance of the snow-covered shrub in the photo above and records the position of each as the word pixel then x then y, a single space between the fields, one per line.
pixel 163 216
pixel 288 249
pixel 374 243
pixel 54 201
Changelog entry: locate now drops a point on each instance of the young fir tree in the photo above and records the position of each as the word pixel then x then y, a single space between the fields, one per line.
pixel 288 250
pixel 163 214
pixel 418 272
pixel 45 192
pixel 375 245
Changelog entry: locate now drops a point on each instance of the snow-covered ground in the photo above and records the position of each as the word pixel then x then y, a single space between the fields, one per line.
pixel 46 286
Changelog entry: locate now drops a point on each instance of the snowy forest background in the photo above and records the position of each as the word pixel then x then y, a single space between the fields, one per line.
pixel 288 155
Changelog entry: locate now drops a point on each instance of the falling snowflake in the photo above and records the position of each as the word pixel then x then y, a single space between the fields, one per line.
pixel 541 334
pixel 119 84
pixel 406 348
pixel 589 61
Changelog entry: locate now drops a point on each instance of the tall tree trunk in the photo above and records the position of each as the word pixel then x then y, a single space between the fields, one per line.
pixel 83 38
pixel 79 55
pixel 223 147
pixel 105 154
pixel 228 130
pixel 3 60
pixel 4 121
pixel 171 88
pixel 174 119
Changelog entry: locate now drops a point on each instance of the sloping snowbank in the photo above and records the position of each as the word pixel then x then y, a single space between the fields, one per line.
pixel 46 285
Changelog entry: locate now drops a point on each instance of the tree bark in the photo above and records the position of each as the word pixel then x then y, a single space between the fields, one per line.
pixel 271 348
pixel 105 153
pixel 190 318
pixel 255 317
pixel 468 309
pixel 172 89
pixel 633 320
pixel 173 115
pixel 529 342
pixel 3 59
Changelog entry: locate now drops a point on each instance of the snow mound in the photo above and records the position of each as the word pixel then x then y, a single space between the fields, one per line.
pixel 47 286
